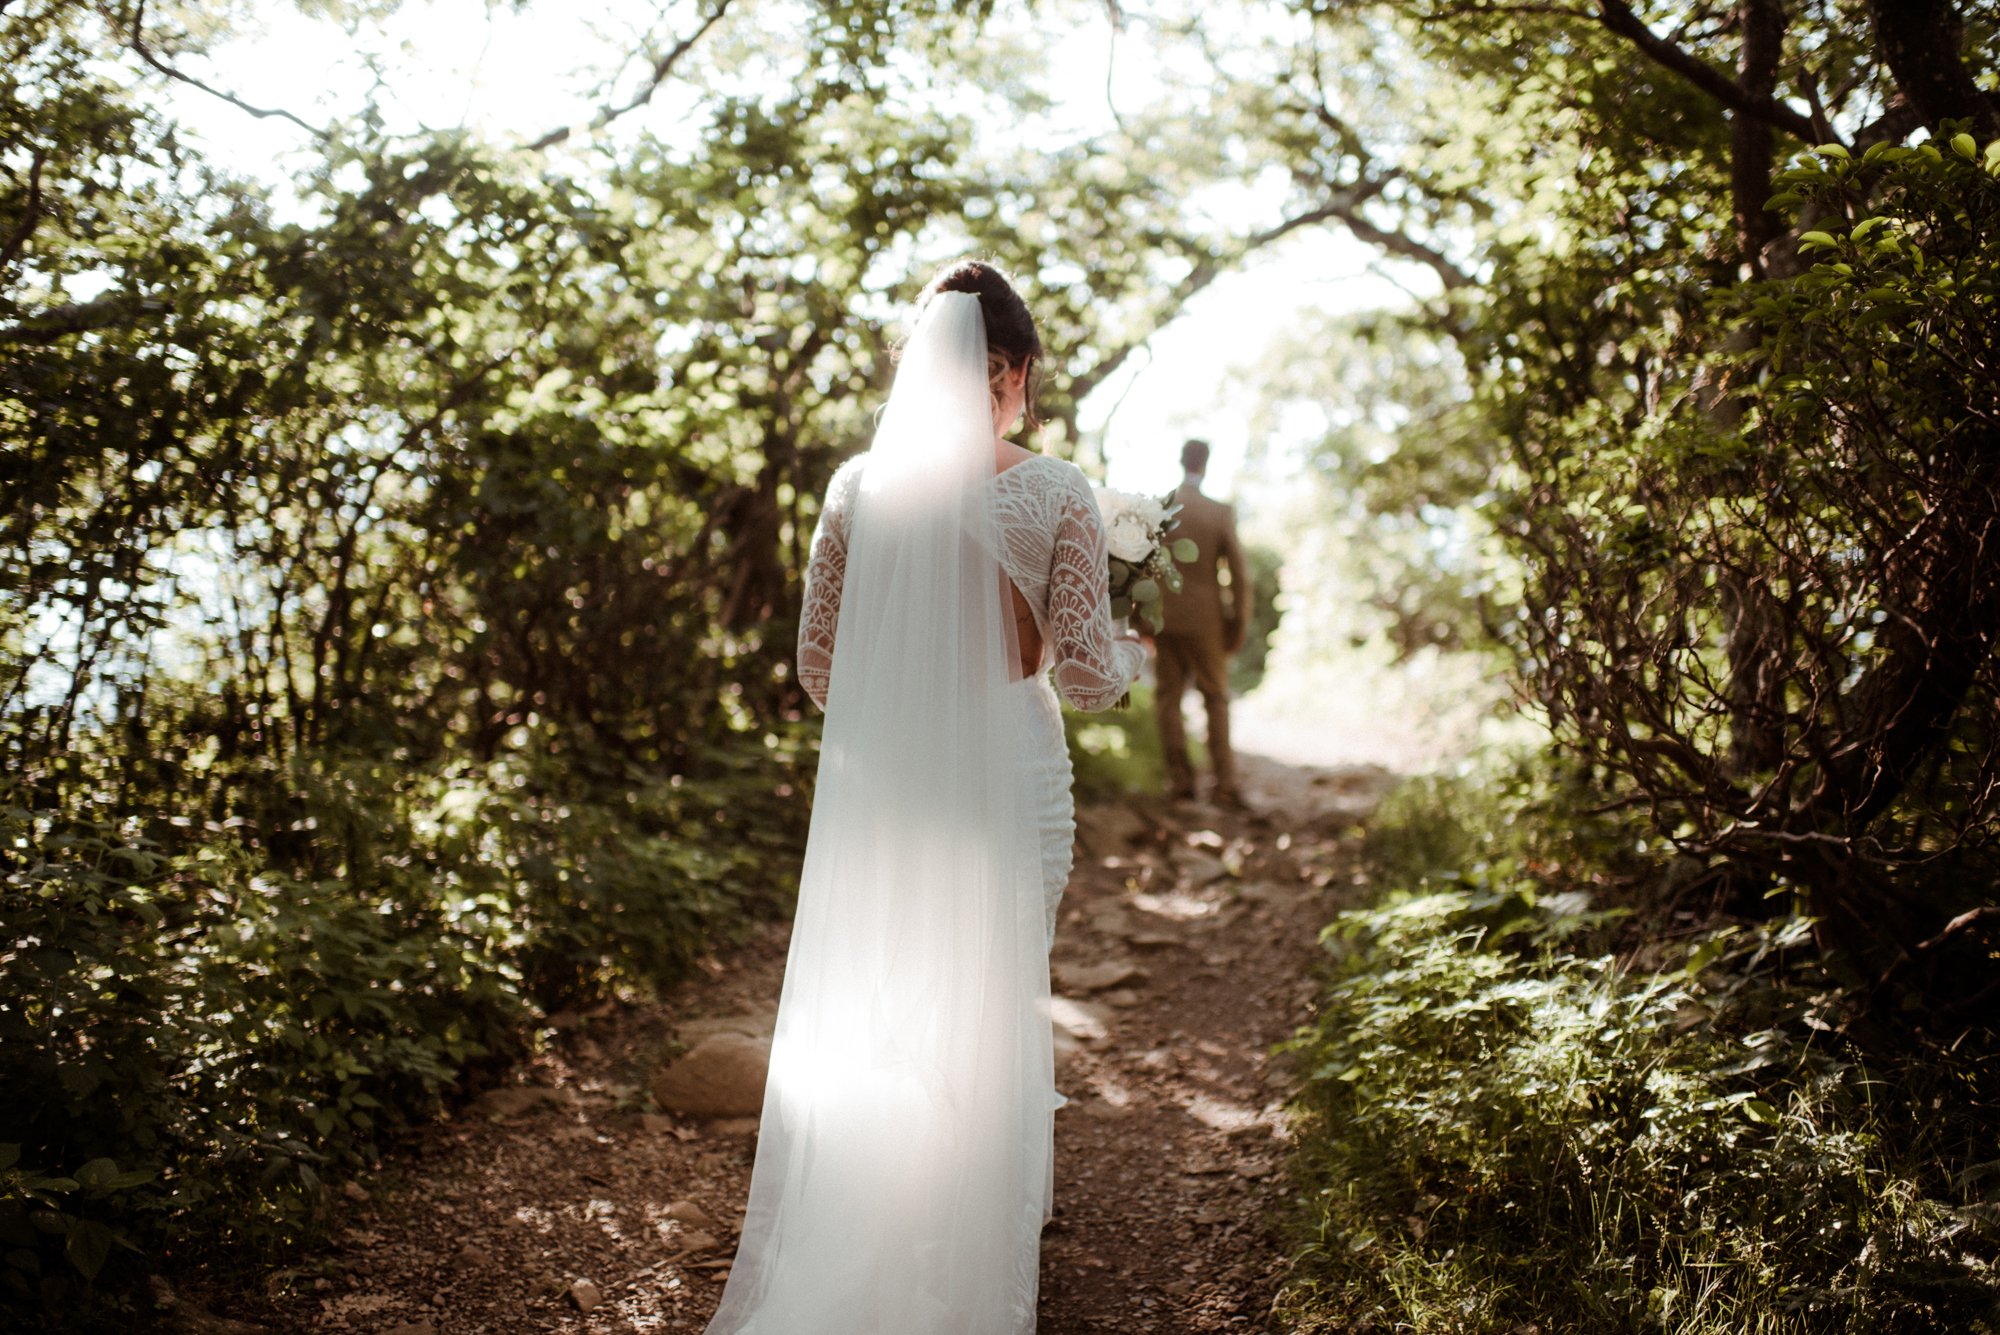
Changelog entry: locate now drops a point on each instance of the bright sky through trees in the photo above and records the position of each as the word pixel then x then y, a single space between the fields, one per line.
pixel 504 73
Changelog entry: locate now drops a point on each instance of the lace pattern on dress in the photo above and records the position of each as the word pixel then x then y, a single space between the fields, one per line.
pixel 1053 549
pixel 1091 668
pixel 826 572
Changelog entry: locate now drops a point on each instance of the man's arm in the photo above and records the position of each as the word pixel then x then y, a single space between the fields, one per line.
pixel 1242 596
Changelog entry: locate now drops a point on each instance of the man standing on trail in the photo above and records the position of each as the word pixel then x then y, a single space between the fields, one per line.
pixel 1206 623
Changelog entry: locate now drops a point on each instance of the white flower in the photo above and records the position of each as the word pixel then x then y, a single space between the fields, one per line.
pixel 1112 503
pixel 1129 537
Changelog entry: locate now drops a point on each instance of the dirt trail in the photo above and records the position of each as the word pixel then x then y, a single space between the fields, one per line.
pixel 1185 951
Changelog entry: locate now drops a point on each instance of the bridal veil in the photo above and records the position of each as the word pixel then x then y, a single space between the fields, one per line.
pixel 902 1162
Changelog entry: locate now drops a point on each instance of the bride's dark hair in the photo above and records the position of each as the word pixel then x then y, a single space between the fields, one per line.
pixel 1011 339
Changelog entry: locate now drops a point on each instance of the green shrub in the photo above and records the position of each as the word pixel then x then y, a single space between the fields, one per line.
pixel 1246 668
pixel 197 1037
pixel 1116 752
pixel 1503 1127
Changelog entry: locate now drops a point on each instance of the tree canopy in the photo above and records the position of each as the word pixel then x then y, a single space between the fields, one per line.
pixel 1719 276
pixel 401 554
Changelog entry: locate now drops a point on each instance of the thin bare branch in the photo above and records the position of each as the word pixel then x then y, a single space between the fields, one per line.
pixel 137 41
pixel 1209 268
pixel 662 70
pixel 1618 17
pixel 1349 214
pixel 59 322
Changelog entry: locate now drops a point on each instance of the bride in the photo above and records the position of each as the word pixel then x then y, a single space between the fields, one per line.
pixel 957 581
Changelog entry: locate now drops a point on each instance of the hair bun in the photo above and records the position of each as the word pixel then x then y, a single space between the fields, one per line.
pixel 1011 339
pixel 1010 329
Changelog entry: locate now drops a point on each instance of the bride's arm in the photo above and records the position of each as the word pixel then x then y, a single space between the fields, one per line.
pixel 826 572
pixel 1092 669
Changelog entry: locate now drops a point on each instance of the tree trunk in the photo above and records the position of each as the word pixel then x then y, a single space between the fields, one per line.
pixel 1903 710
pixel 755 525
pixel 1919 40
pixel 1756 683
pixel 1750 138
pixel 1940 634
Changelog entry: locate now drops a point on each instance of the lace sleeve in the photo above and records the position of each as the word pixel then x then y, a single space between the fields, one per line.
pixel 826 572
pixel 1091 669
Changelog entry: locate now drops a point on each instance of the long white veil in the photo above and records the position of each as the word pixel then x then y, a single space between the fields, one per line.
pixel 902 1163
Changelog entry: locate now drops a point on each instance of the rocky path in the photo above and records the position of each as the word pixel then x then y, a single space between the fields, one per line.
pixel 566 1202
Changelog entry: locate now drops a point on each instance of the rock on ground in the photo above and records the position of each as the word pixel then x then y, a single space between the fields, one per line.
pixel 721 1076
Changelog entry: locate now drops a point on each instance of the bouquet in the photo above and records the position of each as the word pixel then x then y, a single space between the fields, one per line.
pixel 1142 560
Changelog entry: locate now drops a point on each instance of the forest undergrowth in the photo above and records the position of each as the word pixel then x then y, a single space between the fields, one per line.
pixel 1525 1105
pixel 210 1040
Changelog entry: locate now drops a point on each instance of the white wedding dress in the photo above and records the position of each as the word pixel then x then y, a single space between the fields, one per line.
pixel 903 1158
pixel 1052 549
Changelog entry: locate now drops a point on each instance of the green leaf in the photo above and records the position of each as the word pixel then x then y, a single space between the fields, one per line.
pixel 1147 592
pixel 1185 550
pixel 1705 954
pixel 1963 145
pixel 97 1173
pixel 88 1245
pixel 81 1079
pixel 1815 240
pixel 1760 1112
